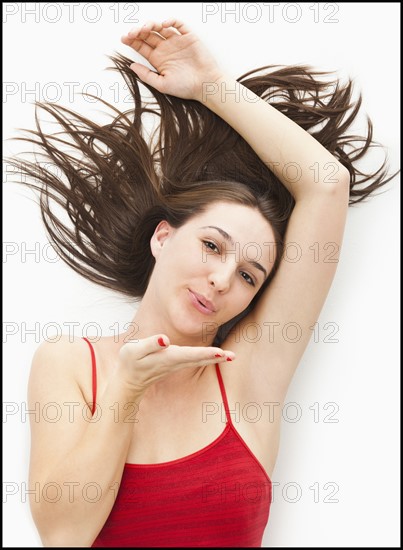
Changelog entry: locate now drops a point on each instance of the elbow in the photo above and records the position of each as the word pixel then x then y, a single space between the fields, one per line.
pixel 62 539
pixel 338 185
pixel 54 534
pixel 344 177
pixel 341 182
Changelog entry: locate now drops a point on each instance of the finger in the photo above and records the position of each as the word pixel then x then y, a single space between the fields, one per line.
pixel 153 39
pixel 149 77
pixel 139 46
pixel 153 26
pixel 150 38
pixel 143 32
pixel 178 25
pixel 201 363
pixel 157 343
pixel 191 356
pixel 145 346
pixel 148 33
pixel 132 34
pixel 135 34
pixel 148 30
pixel 167 33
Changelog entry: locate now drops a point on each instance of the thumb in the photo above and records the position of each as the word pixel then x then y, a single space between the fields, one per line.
pixel 146 75
pixel 138 349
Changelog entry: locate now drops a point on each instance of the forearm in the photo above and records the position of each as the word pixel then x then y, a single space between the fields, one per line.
pixel 88 477
pixel 300 162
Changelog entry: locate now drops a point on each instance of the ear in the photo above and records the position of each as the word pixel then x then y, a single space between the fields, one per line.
pixel 162 232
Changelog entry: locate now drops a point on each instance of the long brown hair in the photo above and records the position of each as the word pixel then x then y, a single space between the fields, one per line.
pixel 116 186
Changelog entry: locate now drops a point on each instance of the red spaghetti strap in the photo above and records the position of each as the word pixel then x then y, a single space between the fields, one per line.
pixel 94 377
pixel 223 394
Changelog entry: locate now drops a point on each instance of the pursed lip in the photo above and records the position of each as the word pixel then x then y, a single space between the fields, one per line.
pixel 204 301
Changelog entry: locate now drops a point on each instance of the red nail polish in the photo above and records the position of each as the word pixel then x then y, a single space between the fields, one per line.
pixel 229 359
pixel 218 355
pixel 162 343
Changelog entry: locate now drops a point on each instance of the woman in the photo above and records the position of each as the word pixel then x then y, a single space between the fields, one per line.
pixel 220 218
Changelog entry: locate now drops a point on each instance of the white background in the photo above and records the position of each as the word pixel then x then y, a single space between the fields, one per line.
pixel 358 455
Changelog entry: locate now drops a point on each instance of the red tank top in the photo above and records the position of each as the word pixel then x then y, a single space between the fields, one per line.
pixel 218 496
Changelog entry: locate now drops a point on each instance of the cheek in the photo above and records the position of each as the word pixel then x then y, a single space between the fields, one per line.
pixel 190 258
pixel 239 297
pixel 243 302
pixel 180 259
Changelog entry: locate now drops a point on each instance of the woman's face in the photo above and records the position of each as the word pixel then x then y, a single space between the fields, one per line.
pixel 208 270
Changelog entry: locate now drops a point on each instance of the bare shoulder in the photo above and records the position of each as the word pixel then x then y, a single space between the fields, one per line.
pixel 60 356
pixel 60 364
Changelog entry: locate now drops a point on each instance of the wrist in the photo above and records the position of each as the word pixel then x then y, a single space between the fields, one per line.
pixel 215 91
pixel 123 388
pixel 210 85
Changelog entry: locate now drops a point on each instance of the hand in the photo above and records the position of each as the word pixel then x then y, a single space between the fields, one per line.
pixel 182 61
pixel 147 360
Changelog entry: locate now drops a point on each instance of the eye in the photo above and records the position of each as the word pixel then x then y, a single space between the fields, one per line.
pixel 211 246
pixel 248 278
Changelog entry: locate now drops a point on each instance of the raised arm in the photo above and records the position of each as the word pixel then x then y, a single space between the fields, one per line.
pixel 290 306
pixel 317 181
pixel 299 161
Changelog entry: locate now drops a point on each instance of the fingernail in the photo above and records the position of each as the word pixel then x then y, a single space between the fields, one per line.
pixel 229 359
pixel 218 355
pixel 162 343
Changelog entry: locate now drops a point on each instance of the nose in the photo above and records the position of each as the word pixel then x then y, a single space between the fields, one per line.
pixel 221 277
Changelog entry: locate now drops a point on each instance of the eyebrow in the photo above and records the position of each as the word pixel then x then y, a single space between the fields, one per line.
pixel 228 238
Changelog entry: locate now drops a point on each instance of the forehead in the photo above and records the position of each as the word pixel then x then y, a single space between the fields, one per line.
pixel 242 223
